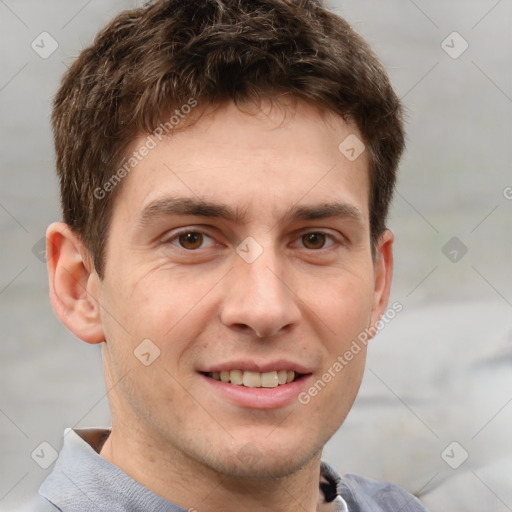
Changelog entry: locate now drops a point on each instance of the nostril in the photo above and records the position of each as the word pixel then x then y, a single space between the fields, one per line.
pixel 244 328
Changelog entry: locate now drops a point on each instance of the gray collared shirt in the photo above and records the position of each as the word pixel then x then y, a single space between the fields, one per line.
pixel 82 481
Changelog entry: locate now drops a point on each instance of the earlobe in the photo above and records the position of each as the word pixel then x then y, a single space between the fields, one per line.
pixel 74 284
pixel 383 267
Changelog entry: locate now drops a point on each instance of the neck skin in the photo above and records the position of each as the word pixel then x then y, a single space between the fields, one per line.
pixel 187 483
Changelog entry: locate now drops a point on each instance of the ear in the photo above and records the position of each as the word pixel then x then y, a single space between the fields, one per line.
pixel 74 284
pixel 383 273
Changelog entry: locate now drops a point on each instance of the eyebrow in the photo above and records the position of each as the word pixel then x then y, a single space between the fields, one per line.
pixel 187 206
pixel 325 210
pixel 193 206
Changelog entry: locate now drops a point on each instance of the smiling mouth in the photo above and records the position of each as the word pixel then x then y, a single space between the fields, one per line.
pixel 255 379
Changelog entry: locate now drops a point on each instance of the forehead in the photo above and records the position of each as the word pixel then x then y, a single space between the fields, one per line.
pixel 259 161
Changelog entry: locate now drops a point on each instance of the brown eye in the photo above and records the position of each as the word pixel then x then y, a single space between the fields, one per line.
pixel 314 240
pixel 191 240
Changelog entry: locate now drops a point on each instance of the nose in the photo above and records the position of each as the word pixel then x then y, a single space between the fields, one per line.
pixel 259 300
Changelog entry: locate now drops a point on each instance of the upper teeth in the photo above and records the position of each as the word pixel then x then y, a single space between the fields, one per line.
pixel 254 379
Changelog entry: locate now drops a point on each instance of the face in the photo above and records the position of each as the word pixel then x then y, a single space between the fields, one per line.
pixel 240 248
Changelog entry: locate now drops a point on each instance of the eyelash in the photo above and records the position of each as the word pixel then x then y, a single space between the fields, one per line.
pixel 174 238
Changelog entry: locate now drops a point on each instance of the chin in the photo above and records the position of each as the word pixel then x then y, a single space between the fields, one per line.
pixel 254 463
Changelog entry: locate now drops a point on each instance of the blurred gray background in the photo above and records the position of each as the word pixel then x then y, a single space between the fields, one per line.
pixel 439 374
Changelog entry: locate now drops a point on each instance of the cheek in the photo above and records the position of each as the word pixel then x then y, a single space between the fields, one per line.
pixel 150 305
pixel 166 302
pixel 150 326
pixel 169 307
pixel 343 311
pixel 343 302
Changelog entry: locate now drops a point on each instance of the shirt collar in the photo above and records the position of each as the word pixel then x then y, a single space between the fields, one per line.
pixel 83 480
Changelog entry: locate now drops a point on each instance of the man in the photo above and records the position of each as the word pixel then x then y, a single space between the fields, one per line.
pixel 226 169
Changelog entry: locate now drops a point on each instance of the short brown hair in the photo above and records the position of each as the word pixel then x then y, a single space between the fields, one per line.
pixel 150 60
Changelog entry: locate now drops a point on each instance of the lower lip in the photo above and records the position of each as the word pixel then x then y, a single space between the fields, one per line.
pixel 259 398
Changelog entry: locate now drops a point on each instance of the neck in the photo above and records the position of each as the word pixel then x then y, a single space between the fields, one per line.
pixel 174 476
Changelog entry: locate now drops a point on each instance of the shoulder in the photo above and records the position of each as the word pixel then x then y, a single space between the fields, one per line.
pixel 364 494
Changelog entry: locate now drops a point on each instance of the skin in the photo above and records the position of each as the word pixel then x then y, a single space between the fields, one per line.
pixel 301 301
